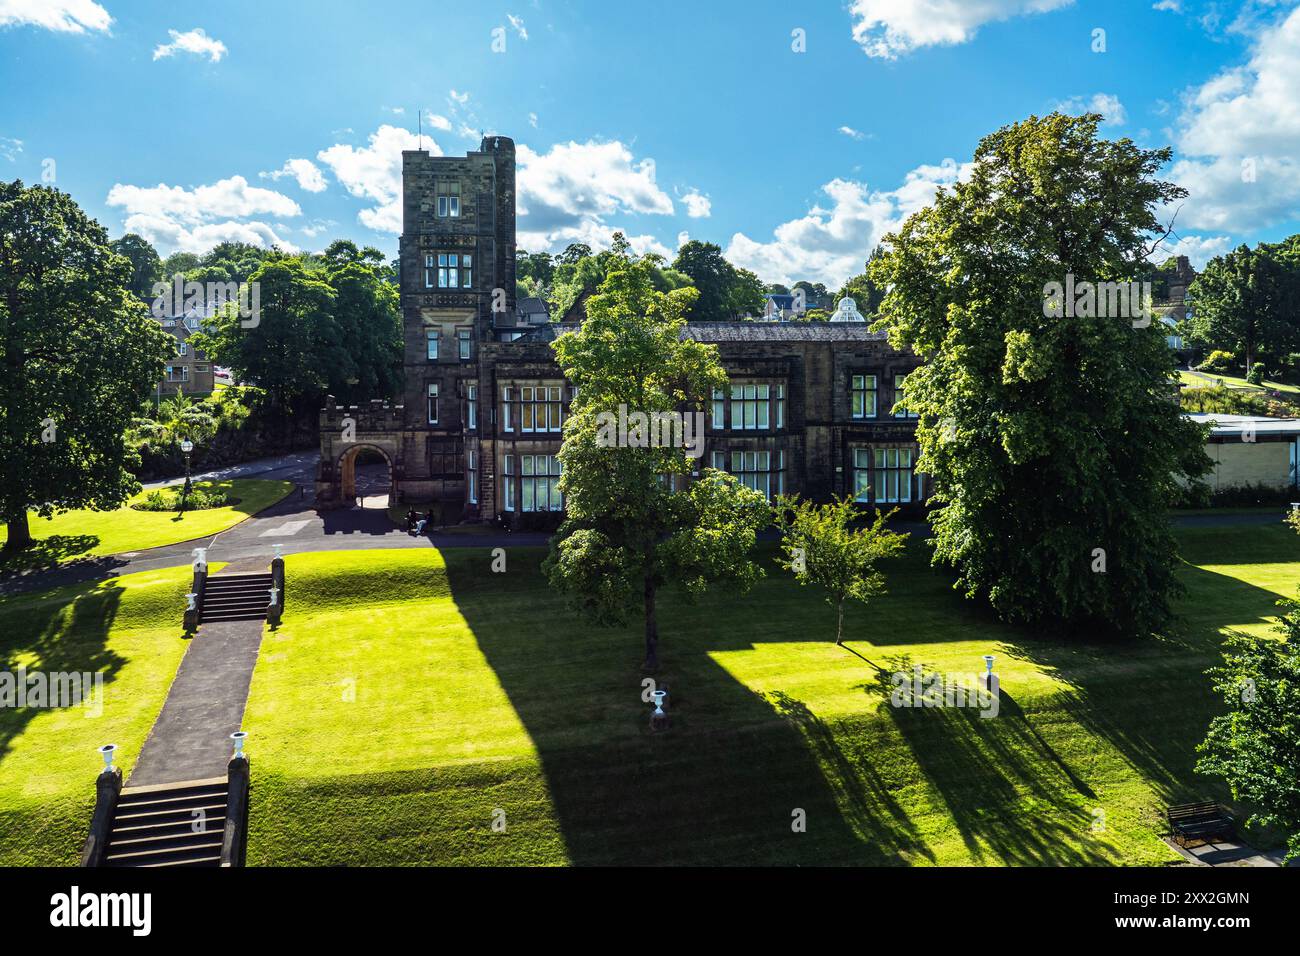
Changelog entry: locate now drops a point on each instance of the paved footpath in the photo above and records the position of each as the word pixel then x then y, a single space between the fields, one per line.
pixel 190 740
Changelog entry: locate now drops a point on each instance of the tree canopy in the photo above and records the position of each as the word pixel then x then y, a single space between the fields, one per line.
pixel 80 355
pixel 635 520
pixel 1053 444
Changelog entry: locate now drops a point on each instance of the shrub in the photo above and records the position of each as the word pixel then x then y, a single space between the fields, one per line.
pixel 169 499
pixel 1218 361
pixel 1256 374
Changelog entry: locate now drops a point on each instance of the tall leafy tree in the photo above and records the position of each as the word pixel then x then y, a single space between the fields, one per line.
pixel 635 521
pixel 746 295
pixel 1053 445
pixel 80 355
pixel 711 274
pixel 293 348
pixel 1243 302
pixel 369 324
pixel 146 267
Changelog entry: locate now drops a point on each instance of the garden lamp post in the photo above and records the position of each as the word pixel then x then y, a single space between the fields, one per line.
pixel 187 446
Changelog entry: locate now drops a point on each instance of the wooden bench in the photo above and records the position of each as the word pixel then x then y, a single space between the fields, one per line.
pixel 1199 821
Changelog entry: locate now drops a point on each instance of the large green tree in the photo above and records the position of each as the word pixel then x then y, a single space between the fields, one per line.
pixel 1244 302
pixel 146 267
pixel 293 348
pixel 636 521
pixel 80 355
pixel 1053 443
pixel 712 275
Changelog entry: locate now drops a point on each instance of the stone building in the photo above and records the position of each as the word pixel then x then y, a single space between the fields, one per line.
pixel 811 407
pixel 189 369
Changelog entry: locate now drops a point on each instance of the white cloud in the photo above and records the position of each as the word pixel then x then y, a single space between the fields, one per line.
pixel 1238 139
pixel 64 16
pixel 830 244
pixel 532 120
pixel 195 220
pixel 518 24
pixel 1173 6
pixel 1199 249
pixel 1107 104
pixel 852 133
pixel 374 172
pixel 459 99
pixel 889 28
pixel 698 206
pixel 436 121
pixel 304 171
pixel 10 148
pixel 192 41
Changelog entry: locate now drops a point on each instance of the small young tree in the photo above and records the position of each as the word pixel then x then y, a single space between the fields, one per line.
pixel 1255 746
pixel 635 520
pixel 823 548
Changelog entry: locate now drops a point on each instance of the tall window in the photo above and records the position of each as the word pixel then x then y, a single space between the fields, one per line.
pixel 507 412
pixel 751 407
pixel 431 344
pixel 541 409
pixel 891 482
pixel 449 270
pixel 182 349
pixel 433 404
pixel 862 475
pixel 760 470
pixel 463 340
pixel 471 477
pixel 448 199
pixel 540 483
pixel 778 401
pixel 719 408
pixel 863 388
pixel 471 407
pixel 900 411
pixel 508 480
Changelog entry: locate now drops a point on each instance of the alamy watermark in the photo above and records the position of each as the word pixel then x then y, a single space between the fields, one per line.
pixel 915 688
pixel 57 689
pixel 177 298
pixel 626 429
pixel 1100 300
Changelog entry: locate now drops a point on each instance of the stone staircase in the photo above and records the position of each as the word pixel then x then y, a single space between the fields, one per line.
pixel 236 597
pixel 174 824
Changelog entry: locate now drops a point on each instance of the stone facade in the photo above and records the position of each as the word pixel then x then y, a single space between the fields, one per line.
pixel 810 408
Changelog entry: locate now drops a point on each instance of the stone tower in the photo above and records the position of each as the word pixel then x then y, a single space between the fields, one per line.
pixel 457 255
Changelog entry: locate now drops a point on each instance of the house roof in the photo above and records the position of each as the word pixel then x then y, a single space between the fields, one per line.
pixel 1231 426
pixel 531 304
pixel 742 332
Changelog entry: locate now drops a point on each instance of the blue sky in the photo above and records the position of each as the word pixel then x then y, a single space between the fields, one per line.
pixel 180 120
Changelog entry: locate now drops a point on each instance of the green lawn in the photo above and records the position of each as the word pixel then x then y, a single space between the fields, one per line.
pixel 411 695
pixel 405 701
pixel 1207 379
pixel 76 534
pixel 128 629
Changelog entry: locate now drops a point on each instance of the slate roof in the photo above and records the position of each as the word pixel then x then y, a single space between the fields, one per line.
pixel 743 332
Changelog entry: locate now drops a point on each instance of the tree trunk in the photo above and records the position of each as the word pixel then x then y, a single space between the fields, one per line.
pixel 651 628
pixel 20 535
pixel 839 624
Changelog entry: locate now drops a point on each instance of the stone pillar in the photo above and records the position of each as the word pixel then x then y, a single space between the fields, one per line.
pixel 108 787
pixel 274 614
pixel 193 617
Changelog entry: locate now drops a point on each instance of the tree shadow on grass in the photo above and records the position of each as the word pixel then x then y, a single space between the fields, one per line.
pixel 64 632
pixel 1012 797
pixel 47 552
pixel 724 784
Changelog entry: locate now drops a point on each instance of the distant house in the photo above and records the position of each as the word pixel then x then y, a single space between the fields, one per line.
pixel 1252 450
pixel 189 369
